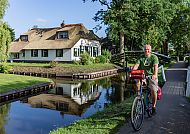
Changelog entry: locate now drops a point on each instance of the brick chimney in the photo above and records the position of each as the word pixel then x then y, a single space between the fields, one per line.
pixel 63 23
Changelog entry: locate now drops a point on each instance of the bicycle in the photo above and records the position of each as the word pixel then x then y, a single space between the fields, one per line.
pixel 142 101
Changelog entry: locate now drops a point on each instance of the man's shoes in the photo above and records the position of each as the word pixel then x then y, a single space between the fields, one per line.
pixel 153 110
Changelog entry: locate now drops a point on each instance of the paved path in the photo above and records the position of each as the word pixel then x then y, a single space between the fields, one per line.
pixel 173 110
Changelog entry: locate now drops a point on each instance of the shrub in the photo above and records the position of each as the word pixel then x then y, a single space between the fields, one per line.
pixel 53 64
pixel 107 55
pixel 85 59
pixel 101 59
pixel 4 68
pixel 76 62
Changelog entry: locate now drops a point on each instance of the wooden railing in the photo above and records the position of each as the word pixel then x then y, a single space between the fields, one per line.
pixel 128 55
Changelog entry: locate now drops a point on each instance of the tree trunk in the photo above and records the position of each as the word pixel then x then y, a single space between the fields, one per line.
pixel 121 49
pixel 165 47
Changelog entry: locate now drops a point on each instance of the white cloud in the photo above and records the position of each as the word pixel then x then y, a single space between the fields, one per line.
pixel 41 20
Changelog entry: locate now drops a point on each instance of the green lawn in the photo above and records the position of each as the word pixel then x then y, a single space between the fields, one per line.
pixel 59 64
pixel 10 82
pixel 69 67
pixel 107 121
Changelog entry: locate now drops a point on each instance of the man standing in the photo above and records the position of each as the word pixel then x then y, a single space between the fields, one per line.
pixel 149 63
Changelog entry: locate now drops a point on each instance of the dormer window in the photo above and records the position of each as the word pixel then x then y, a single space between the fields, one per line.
pixel 63 35
pixel 24 38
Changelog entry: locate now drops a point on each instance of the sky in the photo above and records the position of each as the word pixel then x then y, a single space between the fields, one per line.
pixel 22 15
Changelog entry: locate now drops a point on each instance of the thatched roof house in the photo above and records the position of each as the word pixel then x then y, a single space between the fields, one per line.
pixel 64 43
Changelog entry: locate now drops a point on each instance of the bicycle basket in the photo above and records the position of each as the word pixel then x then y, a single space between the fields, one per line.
pixel 137 74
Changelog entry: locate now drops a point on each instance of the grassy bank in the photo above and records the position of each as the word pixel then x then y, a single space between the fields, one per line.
pixel 46 65
pixel 104 122
pixel 63 68
pixel 9 82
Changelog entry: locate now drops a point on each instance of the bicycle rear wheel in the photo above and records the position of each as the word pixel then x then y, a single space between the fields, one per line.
pixel 137 113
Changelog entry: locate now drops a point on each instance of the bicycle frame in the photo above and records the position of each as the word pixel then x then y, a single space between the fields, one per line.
pixel 145 105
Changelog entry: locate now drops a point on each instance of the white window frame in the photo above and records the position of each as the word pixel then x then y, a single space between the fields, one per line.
pixel 44 52
pixel 63 35
pixel 34 53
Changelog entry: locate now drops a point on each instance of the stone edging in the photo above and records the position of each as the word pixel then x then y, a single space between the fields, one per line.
pixel 14 94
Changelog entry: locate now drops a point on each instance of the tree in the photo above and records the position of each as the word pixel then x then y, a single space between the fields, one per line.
pixel 158 22
pixel 6 33
pixel 139 21
pixel 179 35
pixel 3 6
pixel 5 40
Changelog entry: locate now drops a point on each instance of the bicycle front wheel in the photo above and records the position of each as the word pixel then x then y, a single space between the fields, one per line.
pixel 137 113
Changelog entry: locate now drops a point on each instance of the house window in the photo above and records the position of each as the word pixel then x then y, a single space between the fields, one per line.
pixel 95 51
pixel 44 53
pixel 75 91
pixel 24 38
pixel 60 106
pixel 59 91
pixel 76 52
pixel 91 51
pixel 16 56
pixel 59 53
pixel 81 49
pixel 63 35
pixel 23 53
pixel 86 48
pixel 34 53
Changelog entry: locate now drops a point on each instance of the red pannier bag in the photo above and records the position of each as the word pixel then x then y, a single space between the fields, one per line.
pixel 159 93
pixel 137 74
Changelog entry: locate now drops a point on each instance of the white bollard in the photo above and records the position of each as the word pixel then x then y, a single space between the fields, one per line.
pixel 188 83
pixel 163 73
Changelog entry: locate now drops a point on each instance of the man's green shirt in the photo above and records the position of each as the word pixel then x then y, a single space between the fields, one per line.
pixel 147 63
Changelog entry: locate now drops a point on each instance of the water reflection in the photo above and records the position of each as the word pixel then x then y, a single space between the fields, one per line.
pixel 68 98
pixel 68 102
pixel 4 110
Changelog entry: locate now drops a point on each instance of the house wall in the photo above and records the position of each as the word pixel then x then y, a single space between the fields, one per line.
pixel 84 42
pixel 51 56
pixel 68 54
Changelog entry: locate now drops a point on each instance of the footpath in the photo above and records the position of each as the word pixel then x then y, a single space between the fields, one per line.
pixel 173 110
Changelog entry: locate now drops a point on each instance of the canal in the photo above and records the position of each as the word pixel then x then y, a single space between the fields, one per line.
pixel 70 101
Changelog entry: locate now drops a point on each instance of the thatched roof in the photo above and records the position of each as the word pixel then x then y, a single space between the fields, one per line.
pixel 46 38
pixel 17 46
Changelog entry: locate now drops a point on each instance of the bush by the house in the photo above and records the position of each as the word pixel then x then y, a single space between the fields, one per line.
pixel 53 64
pixel 104 58
pixel 101 59
pixel 107 55
pixel 76 62
pixel 86 59
pixel 4 68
